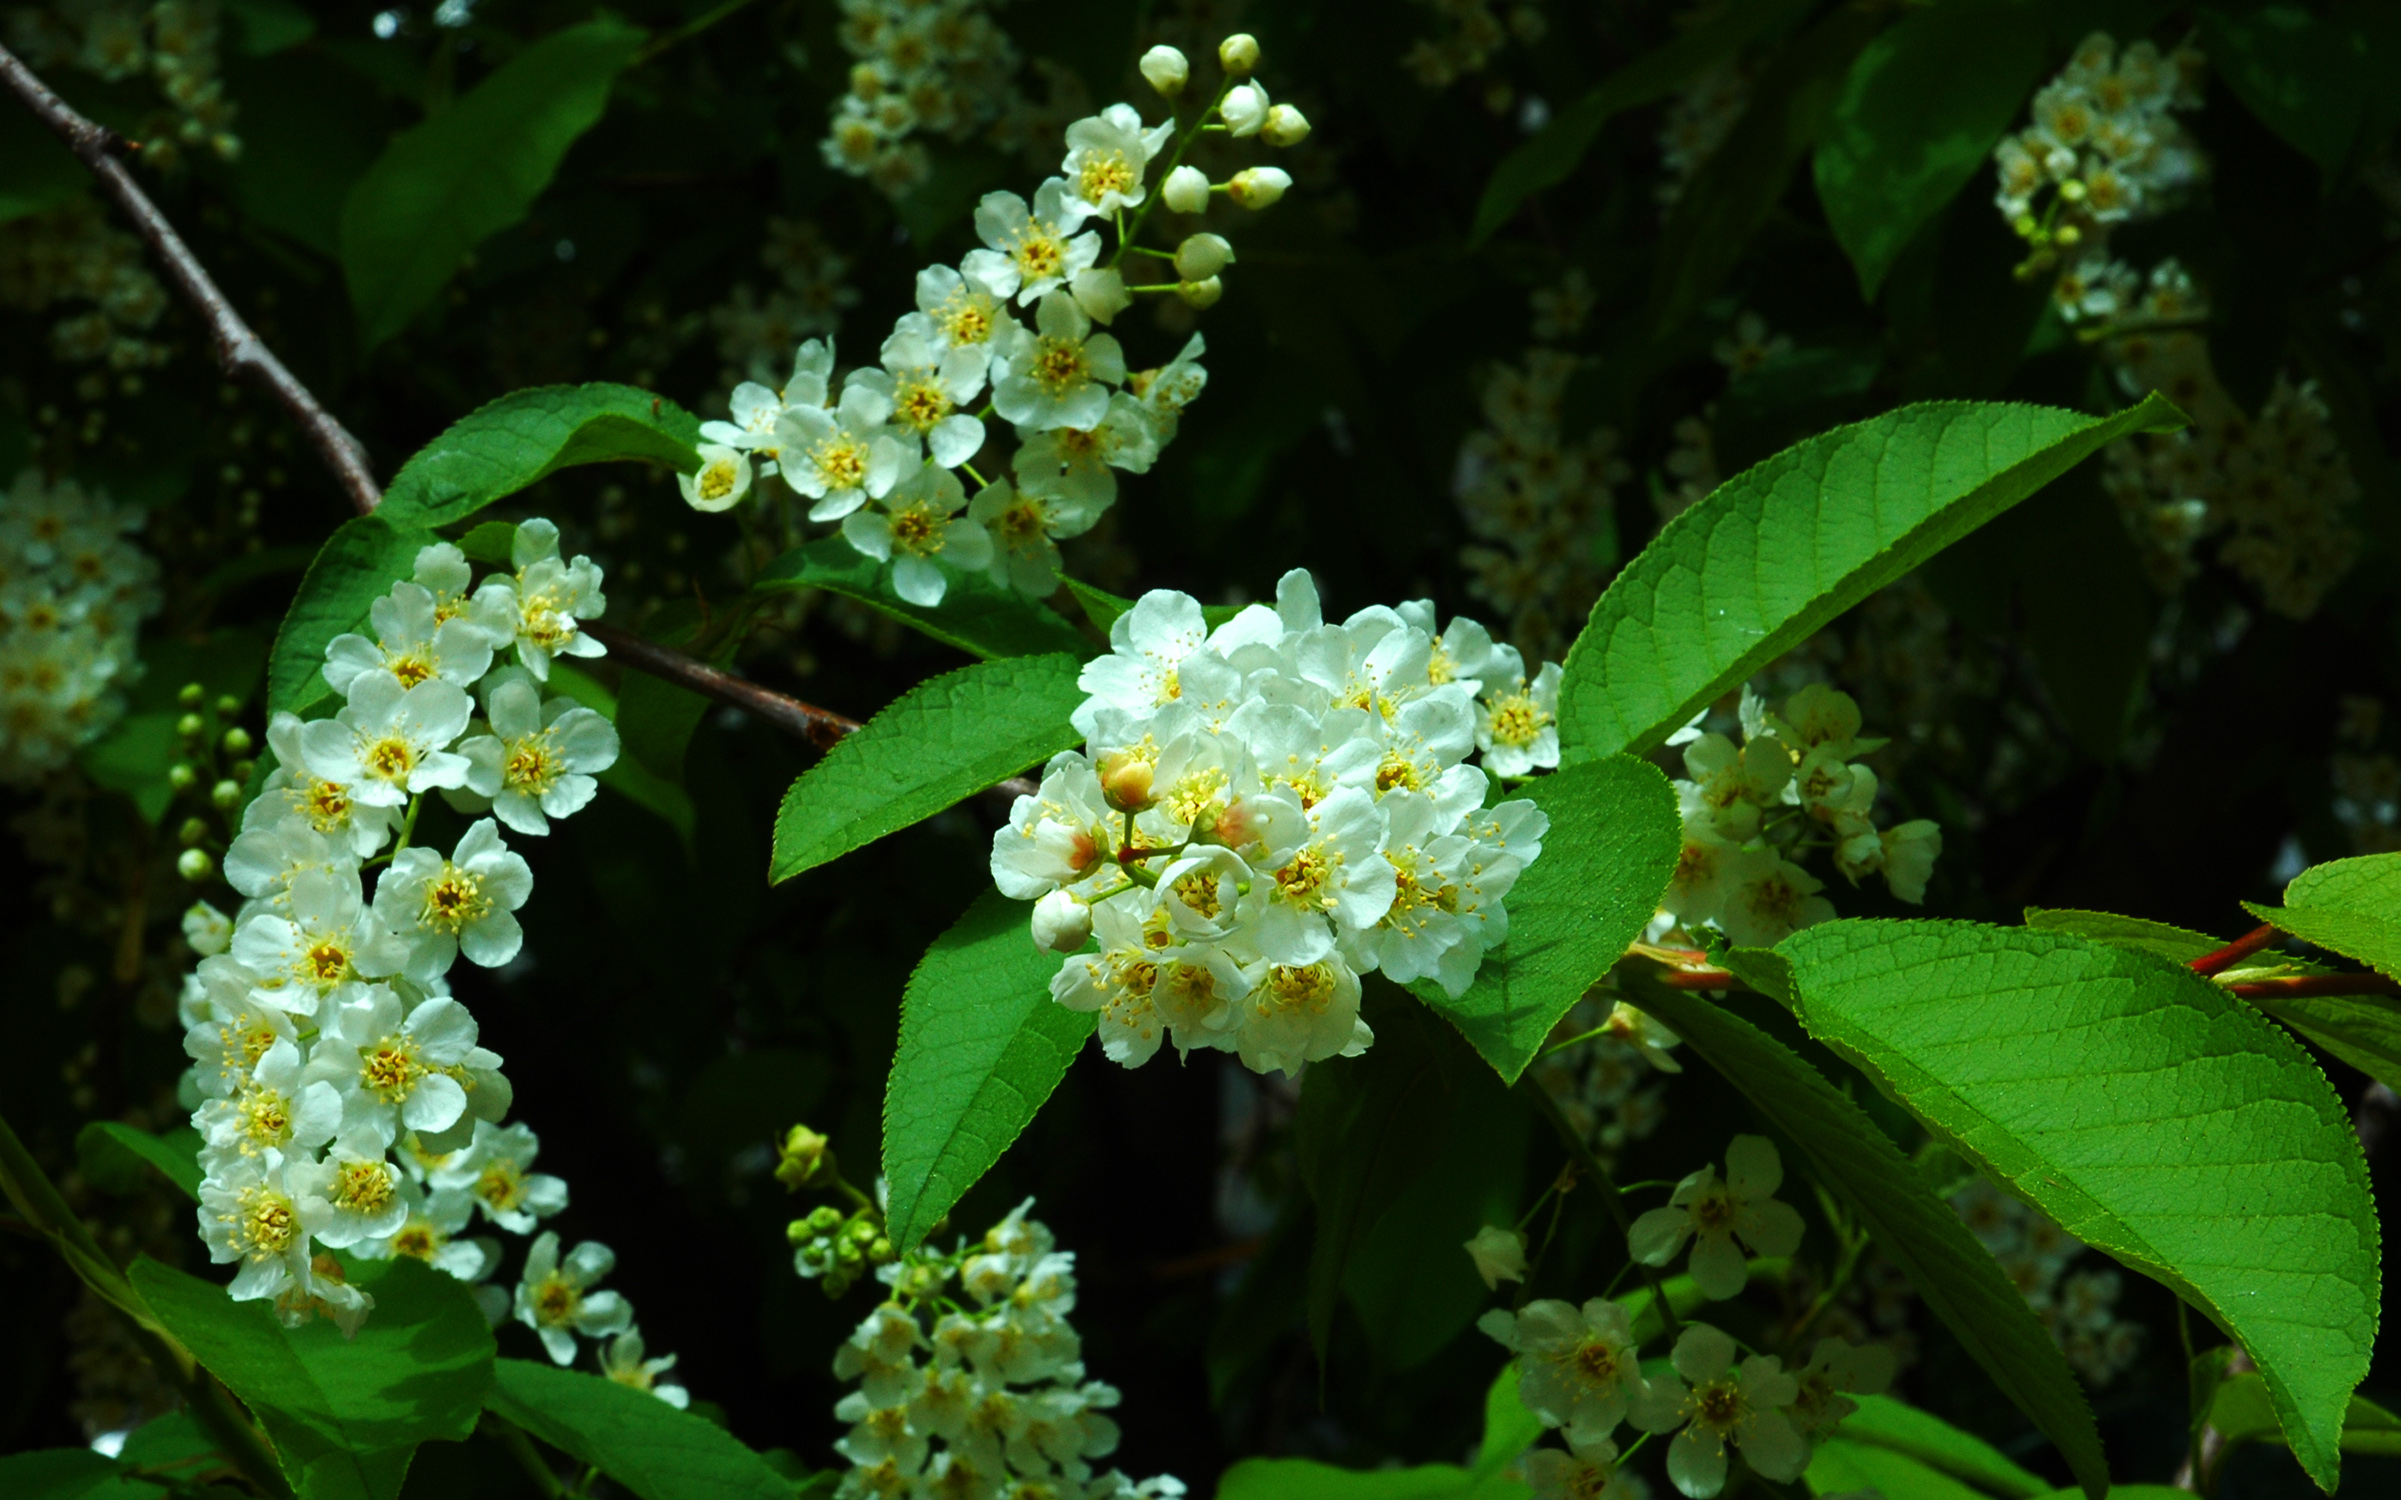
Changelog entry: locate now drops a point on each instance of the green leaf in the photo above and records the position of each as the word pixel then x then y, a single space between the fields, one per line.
pixel 472 170
pixel 345 1415
pixel 2352 906
pixel 113 1154
pixel 627 777
pixel 941 742
pixel 632 1436
pixel 982 1044
pixel 1558 148
pixel 506 445
pixel 492 543
pixel 1946 1264
pixel 1882 1422
pixel 1917 120
pixel 133 756
pixel 71 1474
pixel 1784 547
pixel 37 171
pixel 1612 846
pixel 2305 78
pixel 2176 944
pixel 1509 1427
pixel 2146 1110
pixel 1306 1479
pixel 2245 1413
pixel 175 1440
pixel 1839 1466
pixel 357 565
pixel 1739 187
pixel 977 616
pixel 2362 1030
pixel 269 26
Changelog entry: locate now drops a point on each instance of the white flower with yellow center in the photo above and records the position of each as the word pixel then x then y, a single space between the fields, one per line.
pixel 391 742
pixel 880 1354
pixel 720 482
pixel 1030 252
pixel 1080 467
pixel 354 1192
pixel 1517 722
pixel 249 1214
pixel 1060 374
pixel 963 314
pixel 431 1221
pixel 754 409
pixel 413 643
pixel 274 1108
pixel 1329 878
pixel 320 949
pixel 1713 1214
pixel 1774 899
pixel 539 759
pixel 497 1169
pixel 1299 1013
pixel 442 571
pixel 1115 984
pixel 555 1297
pixel 292 791
pixel 622 1360
pixel 1838 1370
pixel 1722 1406
pixel 263 862
pixel 1576 1367
pixel 1148 646
pixel 467 903
pixel 546 599
pixel 1586 1469
pixel 230 1029
pixel 1021 526
pixel 917 528
pixel 1107 155
pixel 1166 391
pixel 1058 838
pixel 397 1071
pixel 927 381
pixel 842 458
pixel 206 930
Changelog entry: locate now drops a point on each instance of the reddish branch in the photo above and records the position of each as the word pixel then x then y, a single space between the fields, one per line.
pixel 244 354
pixel 2235 952
pixel 2316 984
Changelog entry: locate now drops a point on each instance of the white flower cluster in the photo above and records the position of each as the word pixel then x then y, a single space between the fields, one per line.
pixel 2277 485
pixel 1753 811
pixel 2104 145
pixel 74 589
pixel 881 450
pixel 343 1100
pixel 990 1399
pixel 2079 1307
pixel 1265 811
pixel 940 66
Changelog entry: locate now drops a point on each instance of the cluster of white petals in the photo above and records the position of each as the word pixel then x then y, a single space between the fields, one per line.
pixel 74 589
pixel 342 1095
pixel 984 1393
pixel 1266 810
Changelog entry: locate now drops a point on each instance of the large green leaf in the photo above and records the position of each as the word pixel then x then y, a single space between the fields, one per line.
pixel 2352 906
pixel 977 616
pixel 2362 1030
pixel 506 445
pixel 1784 547
pixel 1611 849
pixel 345 1415
pixel 357 565
pixel 982 1044
pixel 2245 1413
pixel 1855 1160
pixel 632 1436
pixel 472 170
pixel 942 741
pixel 2146 1110
pixel 1840 1466
pixel 113 1154
pixel 1917 119
pixel 1558 148
pixel 1883 1422
pixel 2176 944
pixel 1509 1430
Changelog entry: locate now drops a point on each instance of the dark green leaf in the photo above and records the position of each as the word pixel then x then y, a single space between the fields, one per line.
pixel 492 543
pixel 2244 1412
pixel 1558 148
pixel 1883 1422
pixel 2362 1030
pixel 345 1415
pixel 977 616
pixel 1842 1466
pixel 1946 1264
pixel 507 445
pixel 2146 1110
pixel 472 170
pixel 37 171
pixel 1703 606
pixel 627 777
pixel 1612 847
pixel 942 741
pixel 113 1155
pixel 632 1436
pixel 982 1044
pixel 71 1474
pixel 1509 1427
pixel 2352 906
pixel 1917 119
pixel 1305 1479
pixel 357 565
pixel 2306 79
pixel 2176 944
pixel 133 756
pixel 270 26
pixel 175 1441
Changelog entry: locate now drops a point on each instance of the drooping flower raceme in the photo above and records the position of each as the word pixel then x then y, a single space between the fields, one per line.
pixel 73 590
pixel 343 1096
pixel 1263 812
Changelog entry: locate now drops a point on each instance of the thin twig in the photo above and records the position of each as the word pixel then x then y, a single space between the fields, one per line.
pixel 2235 952
pixel 820 727
pixel 2316 984
pixel 1612 1198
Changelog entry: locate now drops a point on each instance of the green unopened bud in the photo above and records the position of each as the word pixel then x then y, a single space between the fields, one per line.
pixel 192 832
pixel 799 1232
pixel 860 1232
pixel 228 706
pixel 1203 293
pixel 192 695
pixel 847 1252
pixel 880 1251
pixel 242 770
pixel 804 1159
pixel 182 775
pixel 191 726
pixel 236 741
pixel 195 866
pixel 227 795
pixel 2069 235
pixel 825 1219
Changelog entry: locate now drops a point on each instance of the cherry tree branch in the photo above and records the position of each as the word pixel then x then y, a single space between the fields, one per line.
pixel 243 353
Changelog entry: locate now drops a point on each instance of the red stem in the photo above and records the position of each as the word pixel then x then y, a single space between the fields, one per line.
pixel 2235 952
pixel 2317 984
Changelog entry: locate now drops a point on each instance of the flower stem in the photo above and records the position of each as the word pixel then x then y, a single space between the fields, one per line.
pixel 1611 1198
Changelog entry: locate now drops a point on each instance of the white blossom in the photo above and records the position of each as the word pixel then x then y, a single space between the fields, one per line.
pixel 1714 1214
pixel 555 1297
pixel 538 760
pixel 440 908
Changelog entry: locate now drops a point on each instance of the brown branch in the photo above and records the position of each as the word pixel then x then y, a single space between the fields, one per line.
pixel 2235 952
pixel 2317 984
pixel 242 352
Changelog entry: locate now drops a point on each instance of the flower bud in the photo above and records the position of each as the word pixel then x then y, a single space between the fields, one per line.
pixel 1244 109
pixel 191 694
pixel 228 706
pixel 1202 293
pixel 191 726
pixel 236 741
pixel 1061 923
pixel 227 795
pixel 241 770
pixel 2069 235
pixel 194 865
pixel 1125 782
pixel 1285 126
pixel 1499 1254
pixel 1186 190
pixel 1258 187
pixel 192 832
pixel 1166 69
pixel 181 776
pixel 1239 53
pixel 1202 256
pixel 804 1159
pixel 798 1232
pixel 825 1219
pixel 1101 293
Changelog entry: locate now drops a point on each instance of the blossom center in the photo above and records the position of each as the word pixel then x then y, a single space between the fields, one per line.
pixel 1717 1406
pixel 327 963
pixel 717 479
pixel 362 1187
pixel 1305 987
pixel 1059 366
pixel 390 1069
pixel 556 1300
pixel 266 1117
pixel 453 900
pixel 500 1185
pixel 920 402
pixel 327 805
pixel 268 1221
pixel 1038 253
pixel 1105 173
pixel 919 529
pixel 1517 720
pixel 418 1240
pixel 531 767
pixel 390 759
pixel 841 462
